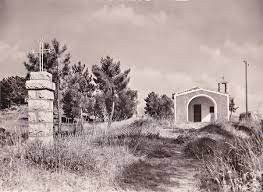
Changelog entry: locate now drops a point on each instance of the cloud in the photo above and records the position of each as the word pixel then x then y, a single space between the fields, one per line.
pixel 122 14
pixel 169 46
pixel 149 79
pixel 11 57
pixel 230 57
pixel 210 51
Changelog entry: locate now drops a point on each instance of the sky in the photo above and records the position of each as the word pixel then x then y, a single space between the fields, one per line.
pixel 170 45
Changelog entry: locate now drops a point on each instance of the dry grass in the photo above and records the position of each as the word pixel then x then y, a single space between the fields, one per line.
pixel 131 156
pixel 34 166
pixel 89 162
pixel 73 164
pixel 232 157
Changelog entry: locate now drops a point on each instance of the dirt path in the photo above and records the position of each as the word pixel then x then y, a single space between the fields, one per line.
pixel 166 168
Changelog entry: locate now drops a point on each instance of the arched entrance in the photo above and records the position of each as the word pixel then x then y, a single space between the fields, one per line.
pixel 201 108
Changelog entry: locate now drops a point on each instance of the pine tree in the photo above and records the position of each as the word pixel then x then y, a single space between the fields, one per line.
pixel 159 107
pixel 80 86
pixel 68 104
pixel 152 105
pixel 126 105
pixel 57 62
pixel 58 54
pixel 111 81
pixel 13 91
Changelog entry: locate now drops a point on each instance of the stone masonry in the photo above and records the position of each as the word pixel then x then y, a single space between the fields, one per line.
pixel 40 106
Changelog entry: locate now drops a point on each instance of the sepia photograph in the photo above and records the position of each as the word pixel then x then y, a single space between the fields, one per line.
pixel 131 96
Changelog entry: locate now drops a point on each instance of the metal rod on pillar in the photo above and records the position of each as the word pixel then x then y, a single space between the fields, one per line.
pixel 40 56
pixel 42 53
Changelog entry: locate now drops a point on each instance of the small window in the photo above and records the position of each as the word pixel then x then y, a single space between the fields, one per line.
pixel 212 109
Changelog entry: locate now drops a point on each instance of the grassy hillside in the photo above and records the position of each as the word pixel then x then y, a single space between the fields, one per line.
pixel 139 155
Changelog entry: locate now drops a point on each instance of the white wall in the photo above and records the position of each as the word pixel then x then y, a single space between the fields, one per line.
pixel 206 103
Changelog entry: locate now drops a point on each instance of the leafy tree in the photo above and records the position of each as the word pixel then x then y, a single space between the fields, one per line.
pixel 159 107
pixel 111 81
pixel 232 107
pixel 13 91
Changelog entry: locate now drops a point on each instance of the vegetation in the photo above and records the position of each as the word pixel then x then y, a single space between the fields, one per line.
pixel 132 157
pixel 159 107
pixel 112 82
pixel 57 62
pixel 136 155
pixel 78 90
pixel 126 105
pixel 103 94
pixel 75 164
pixel 231 157
pixel 232 107
pixel 12 91
pixel 58 55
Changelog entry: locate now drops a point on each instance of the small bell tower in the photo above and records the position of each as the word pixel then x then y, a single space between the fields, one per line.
pixel 223 86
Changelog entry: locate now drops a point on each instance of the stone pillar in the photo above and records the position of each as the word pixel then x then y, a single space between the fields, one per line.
pixel 40 106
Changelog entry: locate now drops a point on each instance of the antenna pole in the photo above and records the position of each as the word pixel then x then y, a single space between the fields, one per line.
pixel 246 85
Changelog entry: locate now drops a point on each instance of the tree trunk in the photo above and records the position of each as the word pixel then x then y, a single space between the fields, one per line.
pixel 111 115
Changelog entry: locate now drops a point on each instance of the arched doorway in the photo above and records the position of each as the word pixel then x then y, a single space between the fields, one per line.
pixel 201 108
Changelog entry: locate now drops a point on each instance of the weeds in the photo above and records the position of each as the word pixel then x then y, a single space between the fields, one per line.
pixel 232 164
pixel 77 156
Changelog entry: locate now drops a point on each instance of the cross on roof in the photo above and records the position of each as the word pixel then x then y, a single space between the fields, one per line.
pixel 223 80
pixel 41 53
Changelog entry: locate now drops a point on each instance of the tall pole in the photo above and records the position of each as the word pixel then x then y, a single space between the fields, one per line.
pixel 58 98
pixel 246 65
pixel 0 95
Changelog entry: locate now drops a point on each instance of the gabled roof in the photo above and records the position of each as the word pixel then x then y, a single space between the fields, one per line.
pixel 188 90
pixel 194 89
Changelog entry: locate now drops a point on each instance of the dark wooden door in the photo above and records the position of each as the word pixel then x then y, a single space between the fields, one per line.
pixel 197 113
